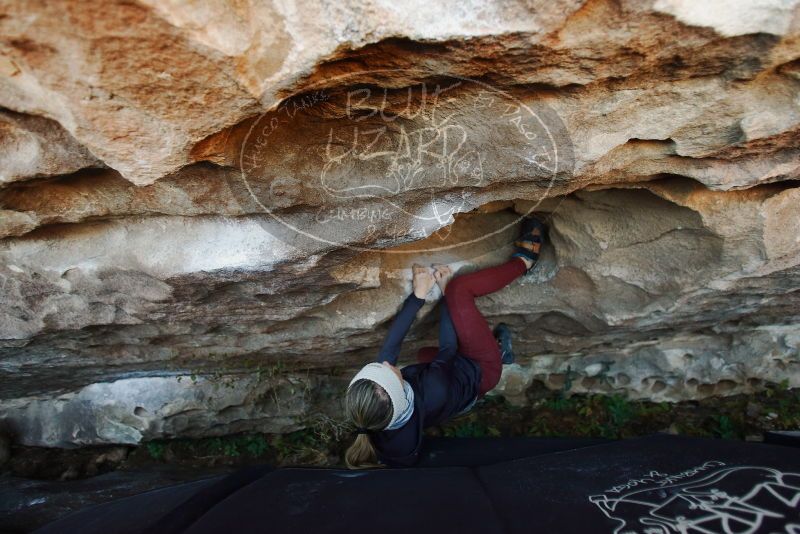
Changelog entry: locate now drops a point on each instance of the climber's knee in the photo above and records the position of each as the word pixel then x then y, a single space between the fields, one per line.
pixel 489 379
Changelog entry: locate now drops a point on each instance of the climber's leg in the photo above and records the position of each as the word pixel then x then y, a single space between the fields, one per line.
pixel 475 338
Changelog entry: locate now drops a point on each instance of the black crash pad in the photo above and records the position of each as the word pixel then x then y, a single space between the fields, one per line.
pixel 655 485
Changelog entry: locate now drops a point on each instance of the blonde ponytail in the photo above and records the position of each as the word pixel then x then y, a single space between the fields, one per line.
pixel 361 454
pixel 367 406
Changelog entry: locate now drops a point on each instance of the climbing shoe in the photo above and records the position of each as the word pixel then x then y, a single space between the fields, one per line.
pixel 503 336
pixel 530 240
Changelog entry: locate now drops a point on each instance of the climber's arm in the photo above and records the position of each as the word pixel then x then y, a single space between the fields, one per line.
pixel 448 340
pixel 402 322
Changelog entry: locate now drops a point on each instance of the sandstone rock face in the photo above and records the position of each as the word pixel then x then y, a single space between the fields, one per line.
pixel 132 409
pixel 231 194
pixel 34 147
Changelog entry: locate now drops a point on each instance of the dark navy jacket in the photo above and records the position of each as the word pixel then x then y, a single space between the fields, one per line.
pixel 442 388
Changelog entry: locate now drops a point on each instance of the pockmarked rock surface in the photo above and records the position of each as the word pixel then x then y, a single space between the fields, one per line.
pixel 208 213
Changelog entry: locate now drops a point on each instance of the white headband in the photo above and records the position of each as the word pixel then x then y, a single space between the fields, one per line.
pixel 385 378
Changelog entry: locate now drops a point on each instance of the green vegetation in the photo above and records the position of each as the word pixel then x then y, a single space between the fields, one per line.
pixel 313 445
pixel 470 427
pixel 254 445
pixel 155 449
pixel 724 427
pixel 614 416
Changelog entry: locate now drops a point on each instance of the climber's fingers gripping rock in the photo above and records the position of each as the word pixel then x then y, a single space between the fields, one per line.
pixel 442 273
pixel 423 280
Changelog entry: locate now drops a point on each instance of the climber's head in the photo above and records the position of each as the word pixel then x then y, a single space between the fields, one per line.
pixel 368 407
pixel 374 400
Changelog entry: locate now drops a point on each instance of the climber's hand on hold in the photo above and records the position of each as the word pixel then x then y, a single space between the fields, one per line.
pixel 442 273
pixel 423 280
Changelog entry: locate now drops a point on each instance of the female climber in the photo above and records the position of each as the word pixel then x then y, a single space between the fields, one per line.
pixel 389 406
